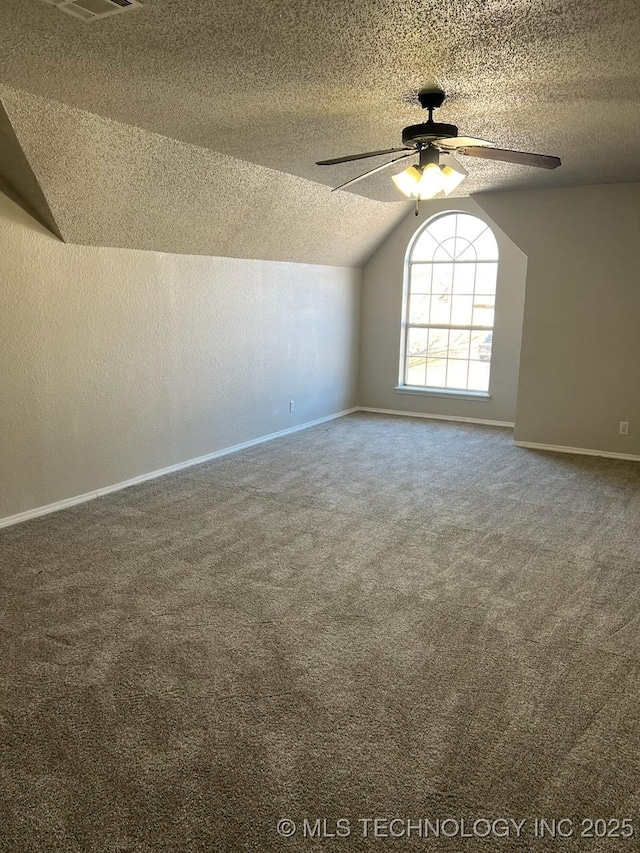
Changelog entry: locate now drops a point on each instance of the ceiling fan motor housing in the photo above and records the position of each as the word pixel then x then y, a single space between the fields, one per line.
pixel 422 134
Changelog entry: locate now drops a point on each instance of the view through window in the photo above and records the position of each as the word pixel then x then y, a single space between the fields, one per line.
pixel 451 276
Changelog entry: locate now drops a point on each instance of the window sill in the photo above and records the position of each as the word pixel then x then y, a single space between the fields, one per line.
pixel 416 391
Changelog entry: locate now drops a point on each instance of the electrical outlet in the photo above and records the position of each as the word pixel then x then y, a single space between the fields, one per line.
pixel 292 405
pixel 624 427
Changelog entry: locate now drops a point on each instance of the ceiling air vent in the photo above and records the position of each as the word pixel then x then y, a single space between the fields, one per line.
pixel 91 10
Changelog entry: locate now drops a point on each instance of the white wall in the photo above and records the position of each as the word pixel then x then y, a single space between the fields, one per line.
pixel 382 314
pixel 580 362
pixel 115 362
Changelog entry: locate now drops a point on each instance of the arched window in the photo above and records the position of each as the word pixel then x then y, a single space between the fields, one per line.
pixel 451 270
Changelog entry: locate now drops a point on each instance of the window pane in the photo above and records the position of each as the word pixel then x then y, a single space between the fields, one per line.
pixel 416 371
pixel 463 279
pixel 421 278
pixel 486 246
pixel 483 309
pixel 442 278
pixel 457 374
pixel 459 344
pixel 419 309
pixel 441 254
pixel 443 227
pixel 440 310
pixel 455 285
pixel 438 343
pixel 479 375
pixel 469 226
pixel 437 372
pixel 446 251
pixel 461 310
pixel 486 277
pixel 424 247
pixel 481 343
pixel 417 341
pixel 464 250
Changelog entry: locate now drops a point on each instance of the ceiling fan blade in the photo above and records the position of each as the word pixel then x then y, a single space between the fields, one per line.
pixel 373 171
pixel 349 157
pixel 463 142
pixel 522 158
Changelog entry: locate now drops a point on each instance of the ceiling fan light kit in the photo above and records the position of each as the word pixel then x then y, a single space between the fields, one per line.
pixel 437 171
pixel 453 172
pixel 408 181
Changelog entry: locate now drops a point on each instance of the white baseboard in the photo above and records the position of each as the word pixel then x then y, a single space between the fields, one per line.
pixel 436 417
pixel 225 451
pixel 170 469
pixel 581 451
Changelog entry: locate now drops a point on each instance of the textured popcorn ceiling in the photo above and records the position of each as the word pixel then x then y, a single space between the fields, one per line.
pixel 286 82
pixel 109 184
pixel 17 179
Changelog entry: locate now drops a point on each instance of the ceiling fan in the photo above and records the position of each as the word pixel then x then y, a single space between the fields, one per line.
pixel 437 170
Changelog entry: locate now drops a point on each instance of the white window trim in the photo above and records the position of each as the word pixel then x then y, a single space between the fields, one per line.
pixel 425 391
pixel 449 393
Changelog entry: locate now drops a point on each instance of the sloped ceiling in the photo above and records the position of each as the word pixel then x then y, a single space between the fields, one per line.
pixel 17 179
pixel 282 83
pixel 109 184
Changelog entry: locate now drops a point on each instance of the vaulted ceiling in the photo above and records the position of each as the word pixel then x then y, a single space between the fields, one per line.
pixel 189 125
pixel 110 184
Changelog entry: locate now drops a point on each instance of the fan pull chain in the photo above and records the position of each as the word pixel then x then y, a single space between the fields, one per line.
pixel 417 205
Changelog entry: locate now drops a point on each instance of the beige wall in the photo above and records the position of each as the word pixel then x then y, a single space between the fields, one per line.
pixel 580 362
pixel 381 318
pixel 115 363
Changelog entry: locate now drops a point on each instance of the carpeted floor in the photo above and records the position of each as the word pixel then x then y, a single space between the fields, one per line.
pixel 378 617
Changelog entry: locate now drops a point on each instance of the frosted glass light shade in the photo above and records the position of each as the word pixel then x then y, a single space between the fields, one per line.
pixel 424 182
pixel 431 182
pixel 452 179
pixel 408 181
pixel 417 183
pixel 452 173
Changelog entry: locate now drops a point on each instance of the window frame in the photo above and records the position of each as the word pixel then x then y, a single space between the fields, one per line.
pixel 432 391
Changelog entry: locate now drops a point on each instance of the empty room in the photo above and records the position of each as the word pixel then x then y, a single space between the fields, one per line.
pixel 319 426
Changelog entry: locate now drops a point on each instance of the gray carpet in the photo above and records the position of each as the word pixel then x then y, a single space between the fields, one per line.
pixel 377 617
